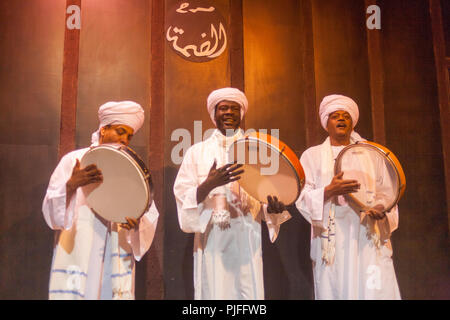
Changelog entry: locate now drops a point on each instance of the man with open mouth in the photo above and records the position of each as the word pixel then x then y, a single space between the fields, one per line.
pixel 225 219
pixel 350 261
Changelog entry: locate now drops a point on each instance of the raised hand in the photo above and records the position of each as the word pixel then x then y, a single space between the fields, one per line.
pixel 218 177
pixel 81 177
pixel 339 186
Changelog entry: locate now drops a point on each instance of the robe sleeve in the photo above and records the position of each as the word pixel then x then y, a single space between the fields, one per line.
pixel 141 238
pixel 192 216
pixel 388 225
pixel 57 216
pixel 392 217
pixel 274 221
pixel 311 202
pixel 384 186
pixel 258 209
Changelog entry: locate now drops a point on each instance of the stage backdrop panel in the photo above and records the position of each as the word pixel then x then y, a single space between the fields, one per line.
pixel 31 46
pixel 273 84
pixel 413 134
pixel 187 85
pixel 340 56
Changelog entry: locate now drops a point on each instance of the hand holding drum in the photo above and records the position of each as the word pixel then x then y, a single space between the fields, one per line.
pixel 81 177
pixel 370 178
pixel 338 186
pixel 90 175
pixel 124 190
pixel 273 173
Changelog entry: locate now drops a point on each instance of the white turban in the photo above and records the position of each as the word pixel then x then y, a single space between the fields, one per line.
pixel 334 103
pixel 228 94
pixel 122 112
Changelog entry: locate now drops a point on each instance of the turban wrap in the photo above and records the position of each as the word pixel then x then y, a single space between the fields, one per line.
pixel 226 94
pixel 123 112
pixel 334 103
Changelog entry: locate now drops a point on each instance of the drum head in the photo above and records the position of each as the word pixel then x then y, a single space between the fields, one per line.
pixel 377 174
pixel 266 171
pixel 124 191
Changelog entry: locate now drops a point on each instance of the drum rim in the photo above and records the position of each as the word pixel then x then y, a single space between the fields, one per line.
pixel 299 184
pixel 400 188
pixel 121 149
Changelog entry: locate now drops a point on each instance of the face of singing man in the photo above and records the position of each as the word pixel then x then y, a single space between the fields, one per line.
pixel 227 116
pixel 340 125
pixel 120 133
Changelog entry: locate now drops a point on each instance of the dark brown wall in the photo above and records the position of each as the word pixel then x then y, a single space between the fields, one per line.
pixel 31 46
pixel 340 54
pixel 413 134
pixel 445 7
pixel 273 85
pixel 114 63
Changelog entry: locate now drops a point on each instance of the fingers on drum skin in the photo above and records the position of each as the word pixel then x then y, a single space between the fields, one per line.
pixel 376 215
pixel 269 204
pixel 126 226
pixel 90 167
pixel 273 204
pixel 132 222
pixel 379 207
pixel 279 205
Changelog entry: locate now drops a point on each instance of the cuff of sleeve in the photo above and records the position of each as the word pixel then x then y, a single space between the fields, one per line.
pixel 141 238
pixel 274 221
pixel 56 213
pixel 190 200
pixel 317 204
pixel 392 218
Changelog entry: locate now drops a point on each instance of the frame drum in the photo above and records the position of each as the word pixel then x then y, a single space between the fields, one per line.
pixel 270 168
pixel 377 170
pixel 126 190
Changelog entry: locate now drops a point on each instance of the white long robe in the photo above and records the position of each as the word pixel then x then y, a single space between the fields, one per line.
pixel 360 270
pixel 227 262
pixel 91 253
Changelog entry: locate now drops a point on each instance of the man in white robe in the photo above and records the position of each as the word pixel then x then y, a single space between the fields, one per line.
pixel 94 258
pixel 226 221
pixel 350 261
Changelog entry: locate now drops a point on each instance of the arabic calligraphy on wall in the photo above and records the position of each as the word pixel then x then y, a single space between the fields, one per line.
pixel 196 30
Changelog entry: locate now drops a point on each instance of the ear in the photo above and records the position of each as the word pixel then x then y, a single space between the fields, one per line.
pixel 101 133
